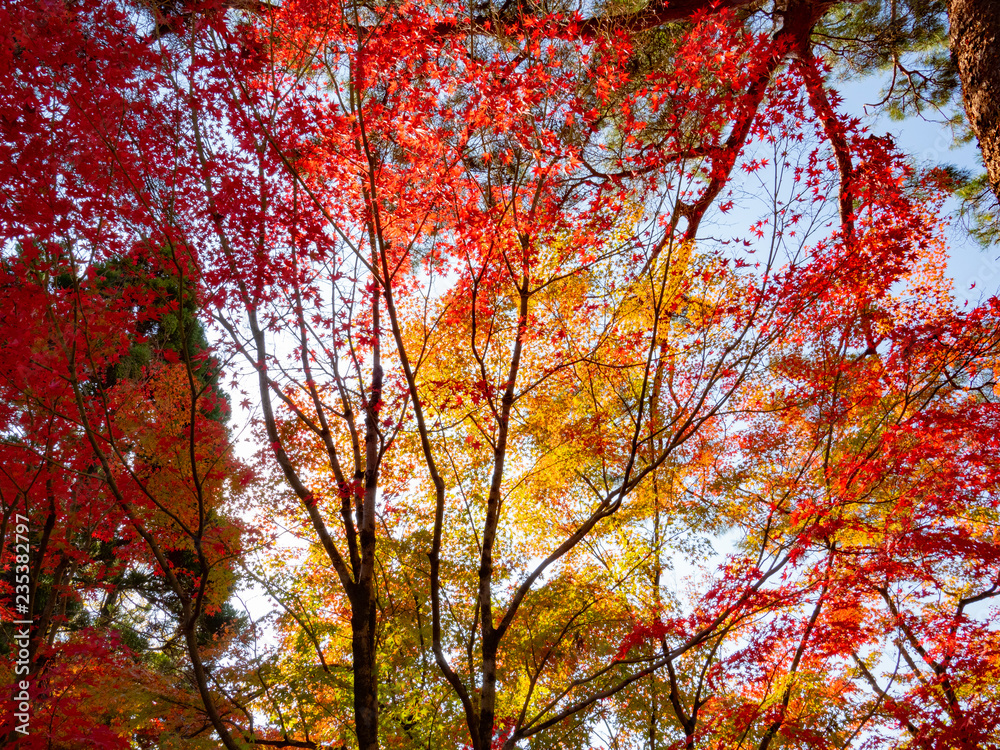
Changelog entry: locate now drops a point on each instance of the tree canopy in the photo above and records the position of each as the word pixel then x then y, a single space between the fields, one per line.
pixel 607 386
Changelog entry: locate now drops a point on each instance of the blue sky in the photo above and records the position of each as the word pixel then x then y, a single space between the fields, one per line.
pixel 931 143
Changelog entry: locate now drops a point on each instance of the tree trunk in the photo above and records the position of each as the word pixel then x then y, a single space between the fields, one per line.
pixel 365 672
pixel 363 596
pixel 488 697
pixel 974 38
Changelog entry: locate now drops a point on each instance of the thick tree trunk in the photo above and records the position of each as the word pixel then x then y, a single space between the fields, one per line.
pixel 974 38
pixel 363 598
pixel 365 670
pixel 488 698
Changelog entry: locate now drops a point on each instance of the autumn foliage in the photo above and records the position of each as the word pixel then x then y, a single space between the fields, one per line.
pixel 606 388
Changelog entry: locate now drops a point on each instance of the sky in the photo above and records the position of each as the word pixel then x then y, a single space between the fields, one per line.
pixel 930 144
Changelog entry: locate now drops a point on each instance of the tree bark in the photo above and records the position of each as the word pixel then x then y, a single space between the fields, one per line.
pixel 363 597
pixel 974 39
pixel 365 668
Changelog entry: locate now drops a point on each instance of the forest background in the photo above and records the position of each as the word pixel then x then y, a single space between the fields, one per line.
pixel 605 368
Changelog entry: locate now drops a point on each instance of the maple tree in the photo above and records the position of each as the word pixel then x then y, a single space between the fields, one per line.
pixel 113 445
pixel 524 345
